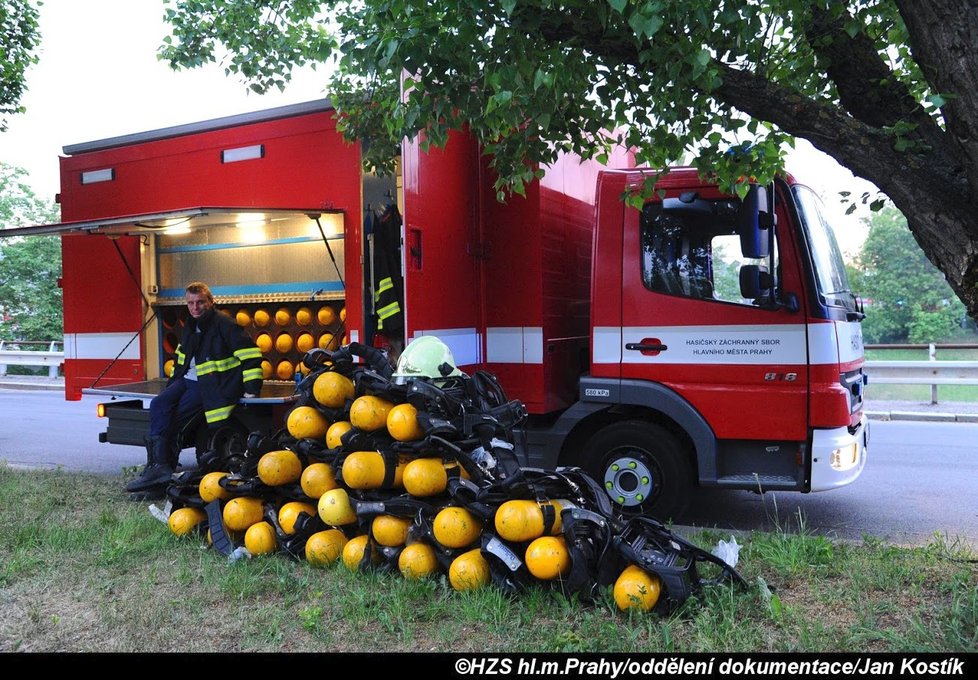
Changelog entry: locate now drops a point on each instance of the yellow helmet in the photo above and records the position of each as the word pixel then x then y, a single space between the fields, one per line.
pixel 304 343
pixel 368 470
pixel 241 512
pixel 325 547
pixel 303 316
pixel 317 479
pixel 283 343
pixel 243 318
pixel 521 520
pixel 390 531
pixel 306 422
pixel 285 370
pixel 264 342
pixel 283 316
pixel 184 520
pixel 276 468
pixel 456 527
pixel 326 315
pixel 355 548
pixel 328 341
pixel 332 389
pixel 262 317
pixel 636 589
pixel 469 571
pixel 210 488
pixel 425 477
pixel 266 369
pixel 335 508
pixel 289 513
pixel 336 432
pixel 417 561
pixel 260 539
pixel 369 413
pixel 402 423
pixel 547 557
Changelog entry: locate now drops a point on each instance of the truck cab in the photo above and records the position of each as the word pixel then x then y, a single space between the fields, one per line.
pixel 725 345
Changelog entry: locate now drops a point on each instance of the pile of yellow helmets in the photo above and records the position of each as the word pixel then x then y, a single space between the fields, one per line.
pixel 380 470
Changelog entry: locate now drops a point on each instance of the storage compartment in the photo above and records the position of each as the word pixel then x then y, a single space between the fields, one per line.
pixel 284 331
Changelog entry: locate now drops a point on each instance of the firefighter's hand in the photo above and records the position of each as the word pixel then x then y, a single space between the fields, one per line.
pixel 249 395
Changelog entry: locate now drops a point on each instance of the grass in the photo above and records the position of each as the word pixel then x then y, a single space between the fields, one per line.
pixel 945 393
pixel 84 569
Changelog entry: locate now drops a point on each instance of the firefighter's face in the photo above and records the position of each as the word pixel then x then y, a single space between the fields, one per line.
pixel 198 303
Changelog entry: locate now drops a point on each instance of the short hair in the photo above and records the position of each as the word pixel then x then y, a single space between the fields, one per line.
pixel 201 288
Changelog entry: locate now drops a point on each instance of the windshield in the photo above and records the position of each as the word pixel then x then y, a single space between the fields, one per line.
pixel 830 271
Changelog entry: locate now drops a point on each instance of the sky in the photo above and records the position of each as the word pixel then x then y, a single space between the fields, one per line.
pixel 98 77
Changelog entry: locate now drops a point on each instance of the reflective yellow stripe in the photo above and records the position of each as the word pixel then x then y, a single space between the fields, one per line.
pixel 248 353
pixel 382 286
pixel 389 310
pixel 181 357
pixel 386 312
pixel 251 374
pixel 218 414
pixel 218 366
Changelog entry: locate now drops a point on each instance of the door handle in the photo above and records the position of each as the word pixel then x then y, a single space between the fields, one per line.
pixel 649 346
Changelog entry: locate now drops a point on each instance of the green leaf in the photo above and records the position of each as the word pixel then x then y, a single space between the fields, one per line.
pixel 617 5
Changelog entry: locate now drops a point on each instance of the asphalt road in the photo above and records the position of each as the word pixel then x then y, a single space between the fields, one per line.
pixel 921 479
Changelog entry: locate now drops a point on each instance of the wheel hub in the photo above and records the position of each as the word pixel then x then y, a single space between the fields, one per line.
pixel 628 481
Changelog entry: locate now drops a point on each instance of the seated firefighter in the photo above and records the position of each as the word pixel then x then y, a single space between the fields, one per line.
pixel 216 364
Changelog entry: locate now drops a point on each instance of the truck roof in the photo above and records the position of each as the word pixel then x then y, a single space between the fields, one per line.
pixel 288 111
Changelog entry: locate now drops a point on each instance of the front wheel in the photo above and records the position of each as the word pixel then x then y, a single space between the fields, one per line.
pixel 641 466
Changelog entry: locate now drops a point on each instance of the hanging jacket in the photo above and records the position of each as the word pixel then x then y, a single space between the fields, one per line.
pixel 388 284
pixel 228 363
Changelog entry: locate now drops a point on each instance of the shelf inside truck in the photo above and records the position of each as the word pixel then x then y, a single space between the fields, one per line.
pixel 272 392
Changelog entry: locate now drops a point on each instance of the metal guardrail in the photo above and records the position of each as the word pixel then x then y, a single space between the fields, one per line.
pixel 12 353
pixel 931 372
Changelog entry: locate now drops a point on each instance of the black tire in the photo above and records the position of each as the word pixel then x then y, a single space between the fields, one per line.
pixel 642 466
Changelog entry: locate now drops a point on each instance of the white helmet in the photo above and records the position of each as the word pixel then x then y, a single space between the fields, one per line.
pixel 425 357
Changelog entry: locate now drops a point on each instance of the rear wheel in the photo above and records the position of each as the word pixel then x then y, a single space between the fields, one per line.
pixel 642 467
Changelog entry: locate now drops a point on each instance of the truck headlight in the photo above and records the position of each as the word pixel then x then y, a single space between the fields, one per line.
pixel 845 457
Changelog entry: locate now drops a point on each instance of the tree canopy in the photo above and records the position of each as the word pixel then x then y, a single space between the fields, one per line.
pixel 907 299
pixel 886 87
pixel 19 38
pixel 30 300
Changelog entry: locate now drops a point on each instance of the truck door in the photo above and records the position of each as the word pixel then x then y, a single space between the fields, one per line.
pixel 740 363
pixel 441 226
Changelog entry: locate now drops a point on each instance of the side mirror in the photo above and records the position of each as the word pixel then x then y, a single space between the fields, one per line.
pixel 754 222
pixel 755 282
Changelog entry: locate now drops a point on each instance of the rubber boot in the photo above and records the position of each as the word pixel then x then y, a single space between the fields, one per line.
pixel 158 470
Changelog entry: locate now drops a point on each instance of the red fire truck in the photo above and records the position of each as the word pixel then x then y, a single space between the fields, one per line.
pixel 698 340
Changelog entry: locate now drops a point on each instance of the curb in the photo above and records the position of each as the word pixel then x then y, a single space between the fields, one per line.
pixel 923 417
pixel 8 385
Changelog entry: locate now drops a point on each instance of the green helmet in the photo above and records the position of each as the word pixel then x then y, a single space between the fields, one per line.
pixel 425 357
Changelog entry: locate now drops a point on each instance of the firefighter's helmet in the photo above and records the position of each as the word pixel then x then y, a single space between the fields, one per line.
pixel 185 520
pixel 425 357
pixel 260 539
